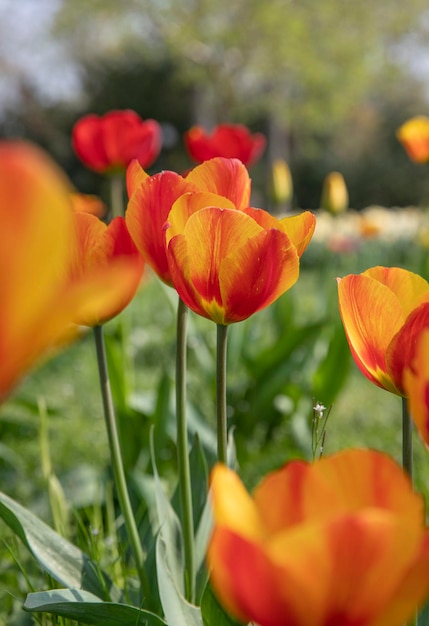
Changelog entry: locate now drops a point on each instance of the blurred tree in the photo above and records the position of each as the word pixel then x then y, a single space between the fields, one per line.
pixel 303 62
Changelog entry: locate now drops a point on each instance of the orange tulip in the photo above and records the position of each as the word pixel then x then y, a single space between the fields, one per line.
pixel 40 302
pixel 110 142
pixel 226 140
pixel 151 199
pixel 36 221
pixel 341 541
pixel 228 264
pixel 88 203
pixel 416 386
pixel 383 311
pixel 107 260
pixel 414 136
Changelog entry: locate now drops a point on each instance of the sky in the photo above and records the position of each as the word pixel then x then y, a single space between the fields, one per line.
pixel 28 54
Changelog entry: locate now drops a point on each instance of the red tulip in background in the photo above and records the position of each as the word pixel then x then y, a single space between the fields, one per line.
pixel 226 140
pixel 338 542
pixel 110 142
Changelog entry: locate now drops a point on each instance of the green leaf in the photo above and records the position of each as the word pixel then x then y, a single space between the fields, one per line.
pixel 213 613
pixel 333 370
pixel 178 611
pixel 57 556
pixel 88 609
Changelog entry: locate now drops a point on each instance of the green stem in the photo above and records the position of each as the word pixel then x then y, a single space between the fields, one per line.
pixel 407 440
pixel 407 459
pixel 116 195
pixel 117 463
pixel 184 472
pixel 221 393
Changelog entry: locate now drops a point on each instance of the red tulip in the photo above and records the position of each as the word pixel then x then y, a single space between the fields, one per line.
pixel 110 142
pixel 151 199
pixel 340 542
pixel 226 140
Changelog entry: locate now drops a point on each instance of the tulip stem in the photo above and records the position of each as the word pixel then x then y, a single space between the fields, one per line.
pixel 117 463
pixel 407 440
pixel 184 472
pixel 222 442
pixel 116 195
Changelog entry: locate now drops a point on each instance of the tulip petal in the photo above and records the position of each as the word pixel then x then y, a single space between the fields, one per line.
pixel 416 386
pixel 247 584
pixel 106 271
pixel 280 513
pixel 226 140
pixel 224 177
pixel 402 348
pixel 232 505
pixel 146 213
pixel 299 228
pixel 352 480
pixel 210 235
pixel 372 314
pixel 329 572
pixel 412 590
pixel 188 204
pixel 135 175
pixel 410 289
pixel 257 273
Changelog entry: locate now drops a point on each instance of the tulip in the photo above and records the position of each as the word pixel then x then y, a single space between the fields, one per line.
pixel 41 304
pixel 88 203
pixel 416 386
pixel 414 136
pixel 383 310
pixel 109 143
pixel 36 220
pixel 228 264
pixel 226 140
pixel 341 541
pixel 151 199
pixel 335 197
pixel 105 259
pixel 281 182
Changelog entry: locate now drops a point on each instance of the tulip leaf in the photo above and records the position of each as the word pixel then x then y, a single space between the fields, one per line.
pixel 63 561
pixel 332 372
pixel 169 560
pixel 88 609
pixel 213 613
pixel 178 611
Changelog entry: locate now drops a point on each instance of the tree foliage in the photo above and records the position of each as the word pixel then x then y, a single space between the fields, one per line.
pixel 301 61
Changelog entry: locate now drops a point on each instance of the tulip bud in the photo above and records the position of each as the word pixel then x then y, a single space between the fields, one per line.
pixel 281 182
pixel 335 197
